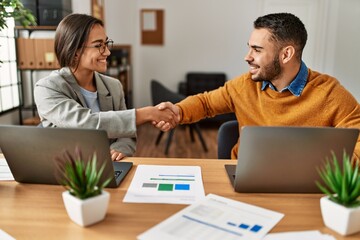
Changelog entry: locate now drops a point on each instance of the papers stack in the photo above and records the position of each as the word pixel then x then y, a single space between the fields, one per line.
pixel 5 236
pixel 303 235
pixel 216 218
pixel 5 173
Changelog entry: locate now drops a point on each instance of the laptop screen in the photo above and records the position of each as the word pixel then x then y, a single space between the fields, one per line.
pixel 285 159
pixel 30 151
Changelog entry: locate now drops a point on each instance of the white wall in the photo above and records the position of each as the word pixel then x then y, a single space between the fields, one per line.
pixel 81 6
pixel 202 35
pixel 120 20
pixel 347 50
pixel 211 35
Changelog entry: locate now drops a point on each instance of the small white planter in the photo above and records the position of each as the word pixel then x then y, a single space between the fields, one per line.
pixel 343 220
pixel 88 211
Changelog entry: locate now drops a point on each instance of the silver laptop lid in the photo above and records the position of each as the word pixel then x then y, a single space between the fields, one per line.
pixel 284 159
pixel 30 151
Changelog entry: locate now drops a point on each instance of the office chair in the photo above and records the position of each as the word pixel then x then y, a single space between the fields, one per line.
pixel 160 93
pixel 199 82
pixel 228 136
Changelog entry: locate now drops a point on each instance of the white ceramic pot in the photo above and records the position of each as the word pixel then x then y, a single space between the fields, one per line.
pixel 88 211
pixel 343 220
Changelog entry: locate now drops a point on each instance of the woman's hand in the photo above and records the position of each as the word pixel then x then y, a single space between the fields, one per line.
pixel 116 156
pixel 163 125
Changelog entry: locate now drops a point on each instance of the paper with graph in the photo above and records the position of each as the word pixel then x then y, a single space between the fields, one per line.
pixel 5 173
pixel 215 218
pixel 166 184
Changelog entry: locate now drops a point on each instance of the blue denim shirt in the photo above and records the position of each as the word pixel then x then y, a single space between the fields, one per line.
pixel 296 86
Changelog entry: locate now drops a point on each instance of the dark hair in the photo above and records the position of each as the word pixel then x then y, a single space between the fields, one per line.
pixel 71 35
pixel 285 28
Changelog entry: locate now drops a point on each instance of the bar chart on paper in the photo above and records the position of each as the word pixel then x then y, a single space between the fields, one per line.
pixel 166 184
pixel 216 218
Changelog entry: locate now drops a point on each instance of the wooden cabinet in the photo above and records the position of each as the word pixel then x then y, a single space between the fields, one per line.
pixel 36 54
pixel 33 55
pixel 119 66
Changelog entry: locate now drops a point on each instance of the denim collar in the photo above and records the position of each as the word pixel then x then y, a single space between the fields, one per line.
pixel 296 86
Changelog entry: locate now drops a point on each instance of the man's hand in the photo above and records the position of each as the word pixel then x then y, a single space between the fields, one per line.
pixel 163 125
pixel 164 114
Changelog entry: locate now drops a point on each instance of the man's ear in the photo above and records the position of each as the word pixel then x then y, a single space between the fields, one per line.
pixel 287 53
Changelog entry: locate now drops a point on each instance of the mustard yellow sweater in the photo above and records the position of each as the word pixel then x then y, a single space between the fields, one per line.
pixel 323 102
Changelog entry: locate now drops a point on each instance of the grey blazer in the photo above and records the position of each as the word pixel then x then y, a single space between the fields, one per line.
pixel 60 104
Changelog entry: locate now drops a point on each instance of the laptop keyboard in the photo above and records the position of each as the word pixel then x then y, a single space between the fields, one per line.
pixel 117 174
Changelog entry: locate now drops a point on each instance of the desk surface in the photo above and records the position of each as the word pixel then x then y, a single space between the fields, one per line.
pixel 30 211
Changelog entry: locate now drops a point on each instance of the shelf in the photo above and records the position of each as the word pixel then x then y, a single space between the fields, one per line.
pixel 31 121
pixel 29 107
pixel 36 28
pixel 33 54
pixel 119 66
pixel 39 69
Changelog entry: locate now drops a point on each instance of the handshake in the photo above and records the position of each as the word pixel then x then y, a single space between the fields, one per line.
pixel 164 116
pixel 168 116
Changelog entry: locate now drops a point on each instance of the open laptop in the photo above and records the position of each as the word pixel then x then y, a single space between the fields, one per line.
pixel 285 159
pixel 30 152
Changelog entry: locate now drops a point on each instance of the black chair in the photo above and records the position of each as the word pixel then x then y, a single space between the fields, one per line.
pixel 160 93
pixel 228 136
pixel 199 82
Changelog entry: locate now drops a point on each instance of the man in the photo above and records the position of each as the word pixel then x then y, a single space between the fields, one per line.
pixel 279 89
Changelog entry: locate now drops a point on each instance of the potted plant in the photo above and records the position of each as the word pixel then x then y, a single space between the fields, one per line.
pixel 15 9
pixel 85 200
pixel 340 208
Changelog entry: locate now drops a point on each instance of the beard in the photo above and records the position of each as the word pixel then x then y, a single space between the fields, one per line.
pixel 269 72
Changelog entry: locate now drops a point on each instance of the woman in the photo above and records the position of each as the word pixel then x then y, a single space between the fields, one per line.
pixel 77 95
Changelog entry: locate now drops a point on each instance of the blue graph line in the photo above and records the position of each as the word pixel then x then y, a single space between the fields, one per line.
pixel 175 175
pixel 211 225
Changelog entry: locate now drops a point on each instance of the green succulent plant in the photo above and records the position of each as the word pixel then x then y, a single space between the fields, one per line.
pixel 82 179
pixel 341 185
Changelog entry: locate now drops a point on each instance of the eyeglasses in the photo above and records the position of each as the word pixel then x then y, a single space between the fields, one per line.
pixel 102 46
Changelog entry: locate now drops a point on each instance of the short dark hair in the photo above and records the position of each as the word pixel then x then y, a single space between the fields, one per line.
pixel 285 28
pixel 71 35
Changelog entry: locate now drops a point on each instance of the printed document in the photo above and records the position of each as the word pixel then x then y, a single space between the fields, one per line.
pixel 216 218
pixel 5 173
pixel 4 235
pixel 299 235
pixel 166 184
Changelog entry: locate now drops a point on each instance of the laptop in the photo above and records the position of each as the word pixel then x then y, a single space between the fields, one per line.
pixel 285 159
pixel 30 152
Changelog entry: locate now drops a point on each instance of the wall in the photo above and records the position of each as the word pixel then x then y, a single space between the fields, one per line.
pixel 347 50
pixel 206 35
pixel 120 20
pixel 211 35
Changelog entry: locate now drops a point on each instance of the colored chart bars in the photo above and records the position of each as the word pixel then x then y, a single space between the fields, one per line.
pixel 166 184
